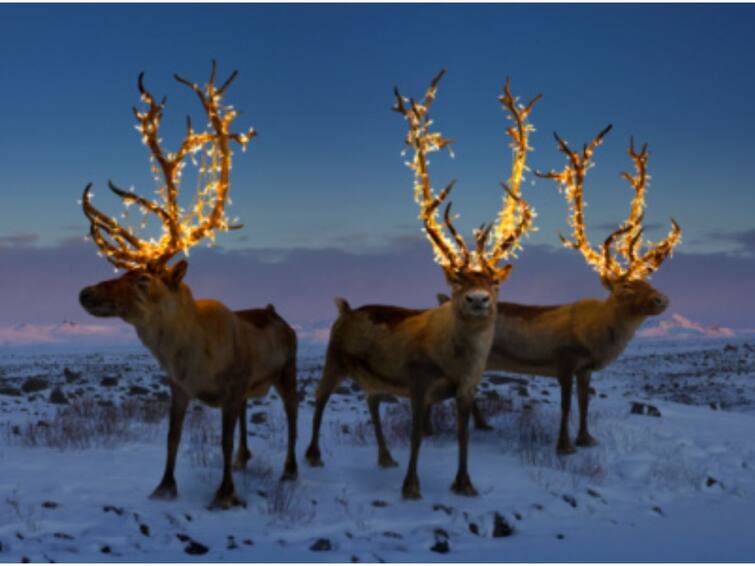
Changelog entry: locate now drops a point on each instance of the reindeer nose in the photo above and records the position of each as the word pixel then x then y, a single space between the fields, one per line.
pixel 86 296
pixel 478 300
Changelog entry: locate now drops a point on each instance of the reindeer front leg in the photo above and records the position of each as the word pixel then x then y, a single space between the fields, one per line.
pixel 179 401
pixel 583 396
pixel 226 496
pixel 410 489
pixel 565 379
pixel 462 484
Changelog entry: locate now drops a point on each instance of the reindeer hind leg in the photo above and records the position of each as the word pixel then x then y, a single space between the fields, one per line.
pixel 286 388
pixel 332 374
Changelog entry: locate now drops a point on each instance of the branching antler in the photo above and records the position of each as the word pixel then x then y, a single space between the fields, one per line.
pixel 627 239
pixel 494 242
pixel 181 229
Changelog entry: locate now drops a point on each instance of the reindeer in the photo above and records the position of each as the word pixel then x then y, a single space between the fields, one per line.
pixel 434 354
pixel 576 339
pixel 209 352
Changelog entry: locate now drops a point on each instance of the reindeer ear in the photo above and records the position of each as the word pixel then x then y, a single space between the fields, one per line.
pixel 175 275
pixel 442 298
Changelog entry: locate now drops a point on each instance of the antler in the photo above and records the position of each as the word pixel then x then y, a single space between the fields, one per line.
pixel 627 239
pixel 515 219
pixel 181 229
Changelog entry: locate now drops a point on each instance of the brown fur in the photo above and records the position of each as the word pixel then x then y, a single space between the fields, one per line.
pixel 426 355
pixel 209 353
pixel 570 340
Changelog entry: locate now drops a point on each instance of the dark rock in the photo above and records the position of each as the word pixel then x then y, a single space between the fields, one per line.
pixel 105 549
pixel 259 417
pixel 653 411
pixel 379 503
pixel 559 536
pixel 248 542
pixel 570 499
pixel 71 376
pixel 33 384
pixel 112 509
pixel 321 545
pixel 144 529
pixel 711 481
pixel 474 528
pixel 658 510
pixel 50 504
pixel 183 537
pixel 10 391
pixel 196 548
pixel 441 547
pixel 57 397
pixel 63 536
pixel 501 527
pixel 137 390
pixel 392 534
pixel 109 381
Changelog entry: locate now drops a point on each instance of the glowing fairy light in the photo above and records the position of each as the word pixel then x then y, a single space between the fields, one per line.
pixel 181 230
pixel 626 241
pixel 494 242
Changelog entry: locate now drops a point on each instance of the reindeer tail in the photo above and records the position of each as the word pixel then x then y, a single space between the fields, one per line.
pixel 342 304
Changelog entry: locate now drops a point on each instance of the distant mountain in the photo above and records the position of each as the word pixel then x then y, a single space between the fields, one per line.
pixel 66 332
pixel 679 326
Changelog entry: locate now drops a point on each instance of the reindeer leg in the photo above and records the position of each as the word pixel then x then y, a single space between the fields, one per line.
pixel 332 374
pixel 480 422
pixel 427 423
pixel 410 489
pixel 226 497
pixel 385 460
pixel 287 391
pixel 243 455
pixel 462 484
pixel 583 397
pixel 179 401
pixel 564 445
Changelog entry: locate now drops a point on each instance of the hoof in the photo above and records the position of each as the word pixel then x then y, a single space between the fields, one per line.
pixel 586 440
pixel 313 458
pixel 565 448
pixel 463 486
pixel 290 473
pixel 227 501
pixel 241 459
pixel 411 491
pixel 164 492
pixel 385 460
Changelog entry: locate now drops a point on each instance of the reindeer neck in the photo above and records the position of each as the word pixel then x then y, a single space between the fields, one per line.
pixel 468 334
pixel 621 317
pixel 167 330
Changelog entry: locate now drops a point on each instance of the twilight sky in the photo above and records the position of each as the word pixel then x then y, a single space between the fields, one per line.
pixel 323 191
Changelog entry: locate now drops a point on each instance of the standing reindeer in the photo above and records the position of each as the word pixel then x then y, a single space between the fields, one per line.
pixel 434 354
pixel 208 351
pixel 577 339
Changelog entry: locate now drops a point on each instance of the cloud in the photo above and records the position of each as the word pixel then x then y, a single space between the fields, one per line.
pixel 744 240
pixel 19 239
pixel 40 285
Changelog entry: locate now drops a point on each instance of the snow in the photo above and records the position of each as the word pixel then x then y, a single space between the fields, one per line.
pixel 679 487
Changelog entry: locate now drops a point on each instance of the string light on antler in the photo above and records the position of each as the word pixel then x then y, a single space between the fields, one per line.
pixel 619 257
pixel 181 229
pixel 493 242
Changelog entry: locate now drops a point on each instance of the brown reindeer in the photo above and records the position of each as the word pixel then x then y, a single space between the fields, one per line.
pixel 576 339
pixel 434 354
pixel 209 352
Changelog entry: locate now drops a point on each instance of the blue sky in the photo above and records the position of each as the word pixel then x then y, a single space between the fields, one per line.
pixel 316 81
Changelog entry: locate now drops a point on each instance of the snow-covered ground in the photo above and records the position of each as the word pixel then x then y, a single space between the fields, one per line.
pixel 82 445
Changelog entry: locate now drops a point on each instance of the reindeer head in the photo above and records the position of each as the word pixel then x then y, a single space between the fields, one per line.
pixel 473 275
pixel 625 276
pixel 149 284
pixel 137 295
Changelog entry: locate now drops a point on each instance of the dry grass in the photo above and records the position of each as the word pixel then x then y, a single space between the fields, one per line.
pixel 88 423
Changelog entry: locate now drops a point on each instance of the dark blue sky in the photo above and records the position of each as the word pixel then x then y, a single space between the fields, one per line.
pixel 316 82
